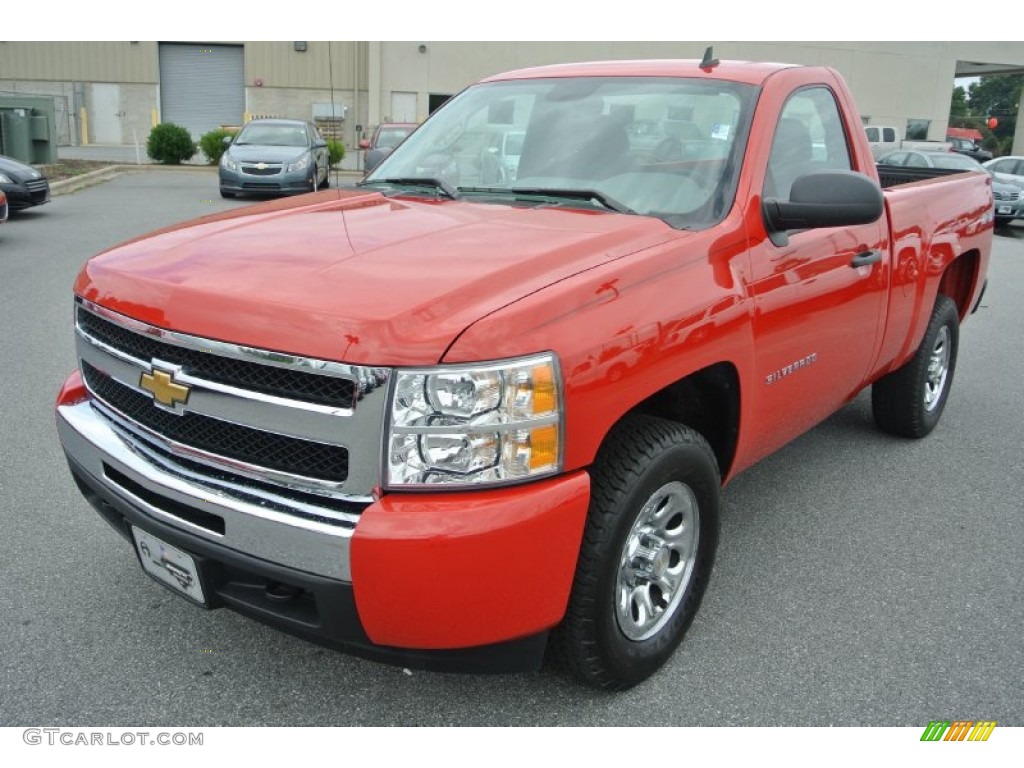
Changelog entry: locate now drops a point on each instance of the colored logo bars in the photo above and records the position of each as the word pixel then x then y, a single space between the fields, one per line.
pixel 958 730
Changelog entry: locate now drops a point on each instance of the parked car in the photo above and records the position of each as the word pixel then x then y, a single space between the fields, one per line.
pixel 384 140
pixel 882 139
pixel 969 148
pixel 918 159
pixel 23 184
pixel 275 157
pixel 1009 202
pixel 1009 169
pixel 499 160
pixel 885 138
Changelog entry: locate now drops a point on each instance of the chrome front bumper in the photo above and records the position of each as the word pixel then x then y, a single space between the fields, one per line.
pixel 255 523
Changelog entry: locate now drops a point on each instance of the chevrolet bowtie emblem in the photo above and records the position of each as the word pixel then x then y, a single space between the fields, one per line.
pixel 261 166
pixel 164 389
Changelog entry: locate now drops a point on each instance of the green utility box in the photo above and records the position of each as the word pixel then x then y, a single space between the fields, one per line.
pixel 28 129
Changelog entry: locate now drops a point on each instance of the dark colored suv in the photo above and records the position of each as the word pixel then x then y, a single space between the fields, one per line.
pixel 23 184
pixel 969 148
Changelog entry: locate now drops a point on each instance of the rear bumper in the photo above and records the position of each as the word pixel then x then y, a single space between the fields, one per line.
pixel 466 581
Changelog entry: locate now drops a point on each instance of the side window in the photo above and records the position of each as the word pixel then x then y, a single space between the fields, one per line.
pixel 809 137
pixel 896 158
pixel 915 160
pixel 872 134
pixel 888 135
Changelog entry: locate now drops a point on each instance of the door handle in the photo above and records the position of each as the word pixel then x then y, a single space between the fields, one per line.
pixel 865 258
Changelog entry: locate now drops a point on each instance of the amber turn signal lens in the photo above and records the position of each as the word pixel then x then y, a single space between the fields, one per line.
pixel 543 447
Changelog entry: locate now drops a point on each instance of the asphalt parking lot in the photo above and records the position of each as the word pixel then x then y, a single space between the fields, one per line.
pixel 861 579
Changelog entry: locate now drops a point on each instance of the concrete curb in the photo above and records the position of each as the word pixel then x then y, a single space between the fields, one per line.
pixel 67 186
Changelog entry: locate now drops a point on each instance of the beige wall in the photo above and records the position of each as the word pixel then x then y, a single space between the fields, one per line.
pixel 107 62
pixel 891 81
pixel 279 65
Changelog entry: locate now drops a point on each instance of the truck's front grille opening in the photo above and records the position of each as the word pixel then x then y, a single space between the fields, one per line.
pixel 291 455
pixel 198 517
pixel 267 379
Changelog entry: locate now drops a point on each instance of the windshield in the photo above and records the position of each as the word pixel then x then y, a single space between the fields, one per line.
pixel 273 135
pixel 392 137
pixel 666 147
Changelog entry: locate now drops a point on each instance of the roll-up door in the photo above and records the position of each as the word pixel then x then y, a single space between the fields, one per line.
pixel 202 86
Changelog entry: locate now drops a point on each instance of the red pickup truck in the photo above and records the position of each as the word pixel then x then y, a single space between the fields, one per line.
pixel 453 424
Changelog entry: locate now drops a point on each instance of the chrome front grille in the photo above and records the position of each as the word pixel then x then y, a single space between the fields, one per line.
pixel 1008 196
pixel 255 170
pixel 280 382
pixel 267 419
pixel 292 455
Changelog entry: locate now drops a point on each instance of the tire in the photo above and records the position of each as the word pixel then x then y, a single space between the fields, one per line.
pixel 327 179
pixel 909 401
pixel 224 193
pixel 653 519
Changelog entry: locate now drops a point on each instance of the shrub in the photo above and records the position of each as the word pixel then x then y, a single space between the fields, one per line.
pixel 212 144
pixel 170 144
pixel 337 150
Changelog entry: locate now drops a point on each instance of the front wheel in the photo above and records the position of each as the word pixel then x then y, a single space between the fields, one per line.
pixel 909 401
pixel 646 555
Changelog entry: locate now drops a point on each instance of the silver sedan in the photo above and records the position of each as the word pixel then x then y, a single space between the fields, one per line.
pixel 276 157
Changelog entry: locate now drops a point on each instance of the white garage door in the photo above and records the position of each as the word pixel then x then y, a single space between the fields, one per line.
pixel 202 86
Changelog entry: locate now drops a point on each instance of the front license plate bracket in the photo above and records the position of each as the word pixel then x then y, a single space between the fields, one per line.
pixel 170 566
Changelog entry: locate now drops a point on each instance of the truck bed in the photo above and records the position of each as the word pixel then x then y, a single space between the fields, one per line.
pixel 894 175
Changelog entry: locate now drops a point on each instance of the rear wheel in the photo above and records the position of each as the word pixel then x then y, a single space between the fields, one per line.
pixel 646 555
pixel 909 401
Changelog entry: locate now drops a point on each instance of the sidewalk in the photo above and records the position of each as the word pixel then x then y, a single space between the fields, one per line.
pixel 129 154
pixel 114 153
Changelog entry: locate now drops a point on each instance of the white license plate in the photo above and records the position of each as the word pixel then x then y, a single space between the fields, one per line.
pixel 1004 209
pixel 169 565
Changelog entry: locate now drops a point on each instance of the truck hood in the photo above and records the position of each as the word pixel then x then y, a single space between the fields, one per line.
pixel 353 276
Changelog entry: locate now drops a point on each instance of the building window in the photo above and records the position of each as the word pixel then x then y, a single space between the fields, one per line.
pixel 865 119
pixel 435 100
pixel 917 129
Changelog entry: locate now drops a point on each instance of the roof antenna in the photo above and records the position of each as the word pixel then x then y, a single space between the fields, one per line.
pixel 709 61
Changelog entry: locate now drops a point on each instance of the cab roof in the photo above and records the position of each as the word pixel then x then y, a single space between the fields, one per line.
pixel 749 72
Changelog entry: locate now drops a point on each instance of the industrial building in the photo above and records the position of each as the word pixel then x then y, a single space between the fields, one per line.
pixel 114 92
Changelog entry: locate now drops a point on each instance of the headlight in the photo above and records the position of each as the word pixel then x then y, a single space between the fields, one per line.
pixel 483 424
pixel 300 164
pixel 5 179
pixel 228 163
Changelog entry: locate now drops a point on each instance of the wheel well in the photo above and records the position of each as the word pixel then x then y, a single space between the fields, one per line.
pixel 707 401
pixel 958 281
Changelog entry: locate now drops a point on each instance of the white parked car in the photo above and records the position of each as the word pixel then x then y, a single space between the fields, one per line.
pixel 911 158
pixel 1009 169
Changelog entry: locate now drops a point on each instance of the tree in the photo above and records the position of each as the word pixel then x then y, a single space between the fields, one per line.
pixel 997 96
pixel 958 107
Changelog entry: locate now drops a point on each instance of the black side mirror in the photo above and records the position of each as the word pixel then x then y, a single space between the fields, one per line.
pixel 823 199
pixel 319 143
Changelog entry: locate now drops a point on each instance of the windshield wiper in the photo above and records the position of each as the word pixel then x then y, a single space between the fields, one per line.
pixel 414 181
pixel 588 195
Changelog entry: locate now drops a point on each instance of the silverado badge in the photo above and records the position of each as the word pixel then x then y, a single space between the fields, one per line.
pixel 165 390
